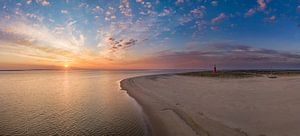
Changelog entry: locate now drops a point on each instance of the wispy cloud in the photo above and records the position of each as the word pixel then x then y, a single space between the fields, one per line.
pixel 250 12
pixel 219 18
pixel 65 44
pixel 39 42
pixel 115 33
pixel 271 19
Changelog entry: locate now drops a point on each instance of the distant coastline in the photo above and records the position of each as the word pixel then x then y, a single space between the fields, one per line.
pixel 28 69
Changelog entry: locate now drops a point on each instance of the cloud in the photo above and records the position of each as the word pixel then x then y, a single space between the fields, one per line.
pixel 29 1
pixel 97 9
pixel 39 43
pixel 226 56
pixel 271 19
pixel 124 35
pixel 125 8
pixel 179 2
pixel 64 11
pixel 215 28
pixel 184 19
pixel 165 12
pixel 118 44
pixel 219 18
pixel 122 30
pixel 19 4
pixel 214 3
pixel 43 2
pixel 262 4
pixel 139 1
pixel 197 12
pixel 250 12
pixel 35 16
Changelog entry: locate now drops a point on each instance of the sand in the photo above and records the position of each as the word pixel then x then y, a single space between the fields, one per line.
pixel 190 106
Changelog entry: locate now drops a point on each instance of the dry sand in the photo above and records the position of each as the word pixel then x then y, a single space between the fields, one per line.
pixel 188 106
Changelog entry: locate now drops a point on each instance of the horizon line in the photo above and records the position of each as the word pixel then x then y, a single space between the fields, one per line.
pixel 133 69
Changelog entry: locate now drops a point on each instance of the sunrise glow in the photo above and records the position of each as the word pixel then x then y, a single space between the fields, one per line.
pixel 66 66
pixel 198 67
pixel 149 34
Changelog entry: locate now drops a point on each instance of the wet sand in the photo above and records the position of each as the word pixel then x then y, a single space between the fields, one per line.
pixel 185 105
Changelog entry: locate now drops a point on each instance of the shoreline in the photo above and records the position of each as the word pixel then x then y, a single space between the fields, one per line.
pixel 168 115
pixel 153 124
pixel 153 113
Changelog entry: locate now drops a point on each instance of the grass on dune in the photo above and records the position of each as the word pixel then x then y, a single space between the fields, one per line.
pixel 243 73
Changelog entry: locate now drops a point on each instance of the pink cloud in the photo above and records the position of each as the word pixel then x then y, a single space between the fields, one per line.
pixel 250 12
pixel 179 1
pixel 262 4
pixel 196 11
pixel 43 2
pixel 165 12
pixel 125 8
pixel 219 18
pixel 271 19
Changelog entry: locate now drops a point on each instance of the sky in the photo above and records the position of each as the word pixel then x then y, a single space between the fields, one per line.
pixel 149 34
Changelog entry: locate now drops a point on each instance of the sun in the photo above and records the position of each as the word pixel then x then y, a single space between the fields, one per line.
pixel 66 65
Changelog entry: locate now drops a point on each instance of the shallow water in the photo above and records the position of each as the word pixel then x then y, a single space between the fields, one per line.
pixel 68 103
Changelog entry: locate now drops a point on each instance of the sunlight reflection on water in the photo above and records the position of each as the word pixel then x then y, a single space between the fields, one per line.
pixel 68 103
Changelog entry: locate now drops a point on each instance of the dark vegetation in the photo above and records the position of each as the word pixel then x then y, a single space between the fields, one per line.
pixel 244 73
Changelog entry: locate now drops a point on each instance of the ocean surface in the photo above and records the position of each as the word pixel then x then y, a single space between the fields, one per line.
pixel 77 102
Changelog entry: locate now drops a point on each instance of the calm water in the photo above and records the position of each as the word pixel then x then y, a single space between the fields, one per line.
pixel 68 103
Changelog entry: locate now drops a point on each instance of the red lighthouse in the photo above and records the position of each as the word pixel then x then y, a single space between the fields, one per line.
pixel 215 69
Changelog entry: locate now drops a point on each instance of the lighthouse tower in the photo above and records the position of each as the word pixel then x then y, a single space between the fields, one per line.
pixel 215 69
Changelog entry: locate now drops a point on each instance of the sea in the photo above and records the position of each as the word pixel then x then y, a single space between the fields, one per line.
pixel 70 102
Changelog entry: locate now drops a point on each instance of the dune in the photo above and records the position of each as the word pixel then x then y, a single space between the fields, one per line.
pixel 178 105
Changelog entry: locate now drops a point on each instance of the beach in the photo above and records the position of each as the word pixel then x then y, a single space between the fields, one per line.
pixel 178 105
